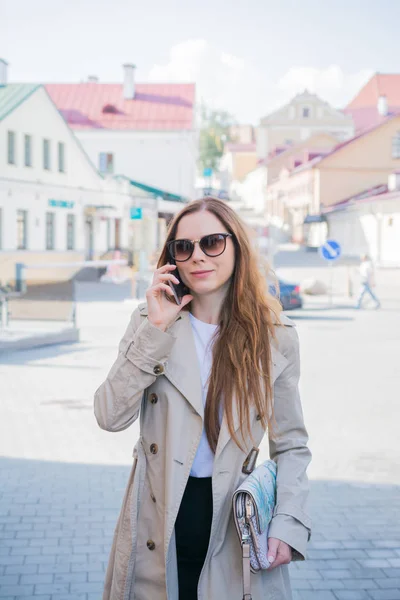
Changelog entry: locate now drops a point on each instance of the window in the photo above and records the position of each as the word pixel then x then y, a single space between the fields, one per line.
pixel 46 155
pixel 61 157
pixel 70 232
pixel 306 112
pixel 11 147
pixel 396 145
pixel 106 162
pixel 28 150
pixel 50 221
pixel 22 223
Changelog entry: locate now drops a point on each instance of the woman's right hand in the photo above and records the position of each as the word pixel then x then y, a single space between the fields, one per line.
pixel 162 312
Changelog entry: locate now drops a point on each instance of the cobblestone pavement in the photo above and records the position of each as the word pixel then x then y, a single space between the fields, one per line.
pixel 62 478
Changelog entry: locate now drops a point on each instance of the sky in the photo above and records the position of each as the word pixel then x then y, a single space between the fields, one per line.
pixel 246 56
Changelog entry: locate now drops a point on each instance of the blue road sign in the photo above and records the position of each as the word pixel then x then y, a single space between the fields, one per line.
pixel 136 212
pixel 207 172
pixel 331 250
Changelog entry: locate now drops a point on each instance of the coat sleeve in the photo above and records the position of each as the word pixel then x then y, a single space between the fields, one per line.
pixel 290 522
pixel 142 353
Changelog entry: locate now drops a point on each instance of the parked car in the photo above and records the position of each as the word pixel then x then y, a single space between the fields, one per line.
pixel 289 294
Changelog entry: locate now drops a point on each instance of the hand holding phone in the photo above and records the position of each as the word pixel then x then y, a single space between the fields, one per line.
pixel 161 311
pixel 177 289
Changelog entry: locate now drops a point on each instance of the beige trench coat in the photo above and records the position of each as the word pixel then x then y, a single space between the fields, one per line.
pixel 156 375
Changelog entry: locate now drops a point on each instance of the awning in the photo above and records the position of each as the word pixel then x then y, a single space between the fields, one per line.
pixel 314 219
pixel 157 192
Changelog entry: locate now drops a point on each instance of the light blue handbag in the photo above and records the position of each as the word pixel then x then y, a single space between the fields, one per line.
pixel 253 507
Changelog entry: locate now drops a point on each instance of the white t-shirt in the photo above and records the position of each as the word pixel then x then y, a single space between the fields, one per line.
pixel 367 272
pixel 203 334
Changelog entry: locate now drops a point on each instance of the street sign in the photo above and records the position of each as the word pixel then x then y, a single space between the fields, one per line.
pixel 136 212
pixel 331 250
pixel 207 172
pixel 61 203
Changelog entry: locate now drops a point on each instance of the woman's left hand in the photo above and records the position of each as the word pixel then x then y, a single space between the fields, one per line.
pixel 279 553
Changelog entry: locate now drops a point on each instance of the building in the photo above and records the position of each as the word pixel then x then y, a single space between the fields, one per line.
pixel 292 156
pixel 54 205
pixel 369 223
pixel 237 161
pixel 144 131
pixel 377 100
pixel 303 189
pixel 304 116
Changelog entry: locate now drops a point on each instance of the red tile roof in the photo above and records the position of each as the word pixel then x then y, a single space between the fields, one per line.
pixel 363 107
pixel 102 106
pixel 359 198
pixel 323 155
pixel 378 85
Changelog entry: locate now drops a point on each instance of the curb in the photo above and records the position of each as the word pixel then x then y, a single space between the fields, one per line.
pixel 35 340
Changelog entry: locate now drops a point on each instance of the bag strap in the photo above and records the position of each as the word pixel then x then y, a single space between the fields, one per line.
pixel 246 562
pixel 246 571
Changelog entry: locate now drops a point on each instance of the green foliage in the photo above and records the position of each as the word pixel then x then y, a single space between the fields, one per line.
pixel 214 133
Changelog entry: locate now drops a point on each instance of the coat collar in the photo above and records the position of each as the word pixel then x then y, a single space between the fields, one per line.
pixel 182 369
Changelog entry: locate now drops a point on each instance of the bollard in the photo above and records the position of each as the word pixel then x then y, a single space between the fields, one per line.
pixel 4 311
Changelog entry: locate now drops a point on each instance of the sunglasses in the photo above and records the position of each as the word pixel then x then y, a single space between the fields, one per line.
pixel 212 245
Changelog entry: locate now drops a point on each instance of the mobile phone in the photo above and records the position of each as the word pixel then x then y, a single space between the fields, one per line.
pixel 178 290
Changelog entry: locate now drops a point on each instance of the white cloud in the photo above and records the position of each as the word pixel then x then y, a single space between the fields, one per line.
pixel 331 83
pixel 225 81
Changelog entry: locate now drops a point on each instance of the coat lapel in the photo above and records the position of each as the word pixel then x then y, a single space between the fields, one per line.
pixel 182 367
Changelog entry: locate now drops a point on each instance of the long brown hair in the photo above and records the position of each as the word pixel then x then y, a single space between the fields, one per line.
pixel 242 352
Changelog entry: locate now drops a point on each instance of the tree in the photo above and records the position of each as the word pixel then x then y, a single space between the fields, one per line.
pixel 214 133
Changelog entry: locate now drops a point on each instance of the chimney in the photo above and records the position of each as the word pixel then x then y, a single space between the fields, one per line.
pixel 93 79
pixel 3 72
pixel 129 81
pixel 382 106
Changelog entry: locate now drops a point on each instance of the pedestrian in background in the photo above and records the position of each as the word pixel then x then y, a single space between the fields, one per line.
pixel 208 376
pixel 367 276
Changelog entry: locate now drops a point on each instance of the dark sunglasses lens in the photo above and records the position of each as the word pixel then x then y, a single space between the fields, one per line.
pixel 213 245
pixel 181 249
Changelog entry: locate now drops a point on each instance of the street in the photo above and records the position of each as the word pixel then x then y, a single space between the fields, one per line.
pixel 62 478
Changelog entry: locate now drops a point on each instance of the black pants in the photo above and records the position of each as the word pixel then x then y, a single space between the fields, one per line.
pixel 192 532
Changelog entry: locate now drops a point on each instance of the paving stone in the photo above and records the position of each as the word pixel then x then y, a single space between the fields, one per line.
pixel 352 595
pixel 52 588
pixel 327 584
pixel 36 578
pixel 317 595
pixel 374 563
pixel 392 594
pixel 9 591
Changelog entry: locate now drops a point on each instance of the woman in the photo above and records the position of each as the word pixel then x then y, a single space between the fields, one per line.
pixel 208 377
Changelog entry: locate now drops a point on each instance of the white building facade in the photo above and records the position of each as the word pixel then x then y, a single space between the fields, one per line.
pixel 370 224
pixel 54 205
pixel 146 132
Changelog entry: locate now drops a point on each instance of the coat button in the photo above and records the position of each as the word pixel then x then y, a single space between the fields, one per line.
pixel 153 398
pixel 151 545
pixel 258 417
pixel 154 448
pixel 158 369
